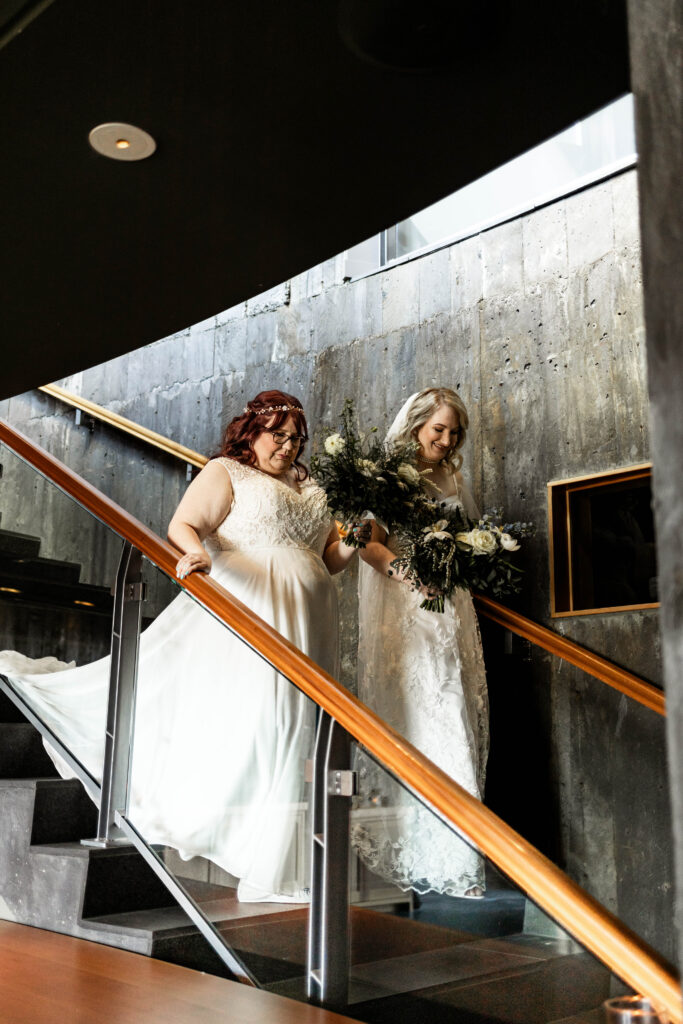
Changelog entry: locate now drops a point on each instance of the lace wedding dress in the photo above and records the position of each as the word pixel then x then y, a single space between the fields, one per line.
pixel 220 737
pixel 423 672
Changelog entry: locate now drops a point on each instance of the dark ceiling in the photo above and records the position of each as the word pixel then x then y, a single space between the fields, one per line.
pixel 286 132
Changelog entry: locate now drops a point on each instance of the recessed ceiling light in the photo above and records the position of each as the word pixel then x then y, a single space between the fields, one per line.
pixel 121 141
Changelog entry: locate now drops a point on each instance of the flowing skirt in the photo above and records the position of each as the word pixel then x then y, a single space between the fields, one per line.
pixel 221 738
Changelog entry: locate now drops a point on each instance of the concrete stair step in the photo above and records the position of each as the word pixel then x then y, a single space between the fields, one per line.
pixel 22 754
pixel 271 938
pixel 170 935
pixel 118 879
pixel 85 598
pixel 20 544
pixel 52 569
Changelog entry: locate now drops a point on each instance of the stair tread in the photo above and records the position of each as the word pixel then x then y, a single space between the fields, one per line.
pixel 34 583
pixel 436 967
pixel 226 912
pixel 12 542
pixel 76 849
pixel 67 585
pixel 37 568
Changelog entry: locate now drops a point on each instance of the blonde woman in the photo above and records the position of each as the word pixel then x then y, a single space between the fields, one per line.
pixel 423 672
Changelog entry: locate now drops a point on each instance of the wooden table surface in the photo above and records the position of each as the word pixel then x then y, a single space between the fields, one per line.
pixel 47 978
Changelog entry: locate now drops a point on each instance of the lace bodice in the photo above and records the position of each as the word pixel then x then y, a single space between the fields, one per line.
pixel 266 513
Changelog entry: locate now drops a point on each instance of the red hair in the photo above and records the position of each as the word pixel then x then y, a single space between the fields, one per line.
pixel 268 410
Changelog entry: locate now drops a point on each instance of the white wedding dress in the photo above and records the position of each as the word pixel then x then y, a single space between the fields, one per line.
pixel 220 737
pixel 423 673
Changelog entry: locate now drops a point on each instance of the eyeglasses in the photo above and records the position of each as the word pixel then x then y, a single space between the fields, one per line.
pixel 281 436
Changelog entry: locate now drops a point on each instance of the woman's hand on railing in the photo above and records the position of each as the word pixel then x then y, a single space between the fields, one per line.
pixel 194 562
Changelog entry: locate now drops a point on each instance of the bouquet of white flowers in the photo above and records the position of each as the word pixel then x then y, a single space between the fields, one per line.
pixel 362 475
pixel 442 549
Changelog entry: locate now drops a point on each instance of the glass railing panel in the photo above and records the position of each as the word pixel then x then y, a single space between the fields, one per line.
pixel 439 933
pixel 219 789
pixel 564 746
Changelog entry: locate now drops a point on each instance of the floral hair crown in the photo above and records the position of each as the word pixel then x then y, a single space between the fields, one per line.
pixel 274 408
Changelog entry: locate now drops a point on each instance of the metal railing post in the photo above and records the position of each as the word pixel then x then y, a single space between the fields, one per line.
pixel 329 939
pixel 118 746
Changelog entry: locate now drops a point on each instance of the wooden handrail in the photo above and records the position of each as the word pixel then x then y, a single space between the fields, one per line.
pixel 595 665
pixel 98 412
pixel 581 915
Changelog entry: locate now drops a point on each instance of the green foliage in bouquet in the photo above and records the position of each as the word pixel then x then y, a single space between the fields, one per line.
pixel 442 549
pixel 362 474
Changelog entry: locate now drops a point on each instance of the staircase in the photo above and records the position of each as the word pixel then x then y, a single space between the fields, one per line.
pixel 49 880
pixel 402 969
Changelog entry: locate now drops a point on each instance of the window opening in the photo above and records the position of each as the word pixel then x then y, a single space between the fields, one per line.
pixel 597 147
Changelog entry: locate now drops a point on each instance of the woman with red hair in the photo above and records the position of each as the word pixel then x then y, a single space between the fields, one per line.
pixel 221 738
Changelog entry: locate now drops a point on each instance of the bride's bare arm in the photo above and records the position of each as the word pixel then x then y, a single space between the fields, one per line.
pixel 204 505
pixel 379 556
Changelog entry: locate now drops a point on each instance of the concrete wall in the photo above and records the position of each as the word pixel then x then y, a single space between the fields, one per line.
pixel 656 43
pixel 538 323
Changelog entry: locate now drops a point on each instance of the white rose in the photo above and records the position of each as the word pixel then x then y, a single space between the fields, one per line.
pixel 481 541
pixel 508 542
pixel 334 444
pixel 408 473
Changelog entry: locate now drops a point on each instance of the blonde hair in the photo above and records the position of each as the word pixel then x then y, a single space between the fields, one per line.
pixel 423 407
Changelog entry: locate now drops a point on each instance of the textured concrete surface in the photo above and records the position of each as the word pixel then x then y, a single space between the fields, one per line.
pixel 656 40
pixel 538 323
pixel 49 881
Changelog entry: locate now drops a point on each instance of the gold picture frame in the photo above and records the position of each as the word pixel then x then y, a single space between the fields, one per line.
pixel 560 538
